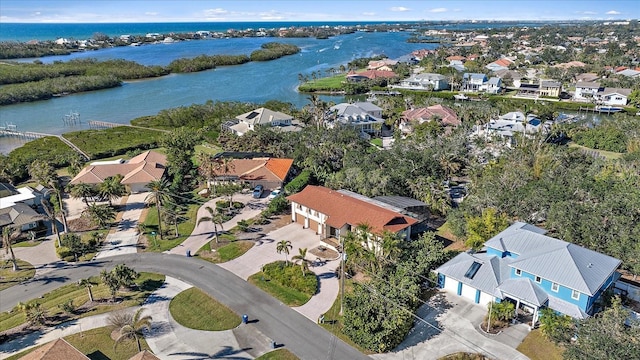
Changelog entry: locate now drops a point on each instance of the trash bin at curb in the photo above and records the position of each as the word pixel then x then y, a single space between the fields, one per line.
pixel 245 318
pixel 273 344
pixel 188 253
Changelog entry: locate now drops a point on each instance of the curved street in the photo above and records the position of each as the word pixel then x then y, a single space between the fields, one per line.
pixel 272 318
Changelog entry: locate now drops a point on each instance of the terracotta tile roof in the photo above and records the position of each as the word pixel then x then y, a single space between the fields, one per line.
pixel 456 57
pixel 267 169
pixel 343 209
pixel 374 74
pixel 446 114
pixel 144 168
pixel 144 355
pixel 55 350
pixel 503 62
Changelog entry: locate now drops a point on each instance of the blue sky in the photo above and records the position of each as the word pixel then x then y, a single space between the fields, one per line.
pixel 75 11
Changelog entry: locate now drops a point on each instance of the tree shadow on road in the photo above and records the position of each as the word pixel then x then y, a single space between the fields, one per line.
pixel 431 326
pixel 227 352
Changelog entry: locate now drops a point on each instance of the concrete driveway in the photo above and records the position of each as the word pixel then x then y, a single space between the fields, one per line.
pixel 451 325
pixel 124 240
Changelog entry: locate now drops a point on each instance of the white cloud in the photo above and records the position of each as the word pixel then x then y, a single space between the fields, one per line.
pixel 438 10
pixel 613 12
pixel 369 14
pixel 399 9
pixel 215 12
pixel 151 13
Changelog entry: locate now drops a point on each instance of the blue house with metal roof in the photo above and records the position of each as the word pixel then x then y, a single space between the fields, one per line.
pixel 523 265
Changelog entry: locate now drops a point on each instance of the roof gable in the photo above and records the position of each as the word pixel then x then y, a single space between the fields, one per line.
pixel 55 350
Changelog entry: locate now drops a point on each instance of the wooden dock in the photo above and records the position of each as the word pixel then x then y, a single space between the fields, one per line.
pixel 32 135
pixel 93 124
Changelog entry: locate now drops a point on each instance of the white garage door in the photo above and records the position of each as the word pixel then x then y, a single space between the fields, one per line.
pixel 451 285
pixel 485 298
pixel 468 292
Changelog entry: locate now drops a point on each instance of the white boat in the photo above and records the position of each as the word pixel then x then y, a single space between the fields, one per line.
pixel 608 109
pixel 460 97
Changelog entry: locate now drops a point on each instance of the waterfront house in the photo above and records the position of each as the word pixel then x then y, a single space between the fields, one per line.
pixel 443 114
pixel 507 126
pixel 136 172
pixel 585 91
pixel 534 271
pixel 353 76
pixel 364 117
pixel 493 85
pixel 612 96
pixel 549 88
pixel 251 120
pixel 382 65
pixel 472 82
pixel 333 213
pixel 424 81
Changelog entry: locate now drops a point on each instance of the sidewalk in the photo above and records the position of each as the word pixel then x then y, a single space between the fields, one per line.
pixel 204 232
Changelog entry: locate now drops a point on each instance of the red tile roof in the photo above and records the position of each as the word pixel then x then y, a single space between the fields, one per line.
pixel 503 62
pixel 144 355
pixel 264 169
pixel 446 114
pixel 456 57
pixel 144 168
pixel 343 209
pixel 374 74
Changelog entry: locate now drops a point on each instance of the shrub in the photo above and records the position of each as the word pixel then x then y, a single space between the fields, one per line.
pixel 290 276
pixel 298 183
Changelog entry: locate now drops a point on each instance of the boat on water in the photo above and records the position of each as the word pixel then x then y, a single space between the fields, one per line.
pixel 608 109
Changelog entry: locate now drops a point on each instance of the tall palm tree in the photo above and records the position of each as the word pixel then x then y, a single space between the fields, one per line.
pixel 112 188
pixel 86 283
pixel 304 263
pixel 215 218
pixel 208 166
pixel 283 247
pixel 389 248
pixel 82 191
pixel 134 328
pixel 100 215
pixel 51 216
pixel 158 196
pixel 8 235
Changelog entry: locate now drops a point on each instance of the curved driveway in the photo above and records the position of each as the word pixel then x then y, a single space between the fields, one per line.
pixel 274 319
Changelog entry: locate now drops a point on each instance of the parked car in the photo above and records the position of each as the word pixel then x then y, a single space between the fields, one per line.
pixel 257 191
pixel 274 193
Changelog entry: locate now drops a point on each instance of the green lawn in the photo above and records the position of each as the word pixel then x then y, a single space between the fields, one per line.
pixel 185 228
pixel 377 142
pixel 225 252
pixel 8 278
pixel 147 283
pixel 196 310
pixel 205 148
pixel 98 345
pixel 281 283
pixel 334 83
pixel 280 354
pixel 537 347
pixel 26 243
pixel 609 155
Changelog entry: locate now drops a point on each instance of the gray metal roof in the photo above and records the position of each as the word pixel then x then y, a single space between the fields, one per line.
pixel 524 289
pixel 566 308
pixel 368 106
pixel 488 277
pixel 494 81
pixel 18 215
pixel 558 261
pixel 401 202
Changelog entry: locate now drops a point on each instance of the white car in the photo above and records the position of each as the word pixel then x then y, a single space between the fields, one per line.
pixel 273 194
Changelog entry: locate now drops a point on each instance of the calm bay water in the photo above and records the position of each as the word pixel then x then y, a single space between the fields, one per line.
pixel 254 82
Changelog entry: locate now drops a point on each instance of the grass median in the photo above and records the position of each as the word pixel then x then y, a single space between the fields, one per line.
pixel 286 283
pixel 194 309
pixel 8 277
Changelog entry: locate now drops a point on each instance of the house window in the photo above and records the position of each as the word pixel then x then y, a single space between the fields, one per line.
pixel 575 294
pixel 518 272
pixel 538 279
pixel 554 287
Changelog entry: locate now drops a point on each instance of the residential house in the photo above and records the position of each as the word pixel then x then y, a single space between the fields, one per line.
pixel 508 125
pixel 331 214
pixel 472 82
pixel 500 64
pixel 587 77
pixel 382 65
pixel 585 91
pixel 630 73
pixel 271 173
pixel 524 266
pixel 365 117
pixel 444 115
pixel 509 77
pixel 21 217
pixel 353 76
pixel 613 96
pixel 424 81
pixel 493 85
pixel 55 350
pixel 261 117
pixel 136 172
pixel 550 88
pixel 456 60
pixel 10 195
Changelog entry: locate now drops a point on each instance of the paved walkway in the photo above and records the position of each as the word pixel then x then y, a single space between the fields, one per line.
pixel 204 232
pixel 125 239
pixel 264 252
pixel 167 339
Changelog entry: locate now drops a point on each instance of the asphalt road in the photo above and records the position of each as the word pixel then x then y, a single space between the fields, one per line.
pixel 283 325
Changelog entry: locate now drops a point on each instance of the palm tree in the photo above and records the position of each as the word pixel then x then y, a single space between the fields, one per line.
pixel 208 167
pixel 133 328
pixel 318 109
pixel 215 218
pixel 100 215
pixel 51 216
pixel 82 190
pixel 389 247
pixel 283 247
pixel 8 235
pixel 304 263
pixel 112 188
pixel 86 283
pixel 157 196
